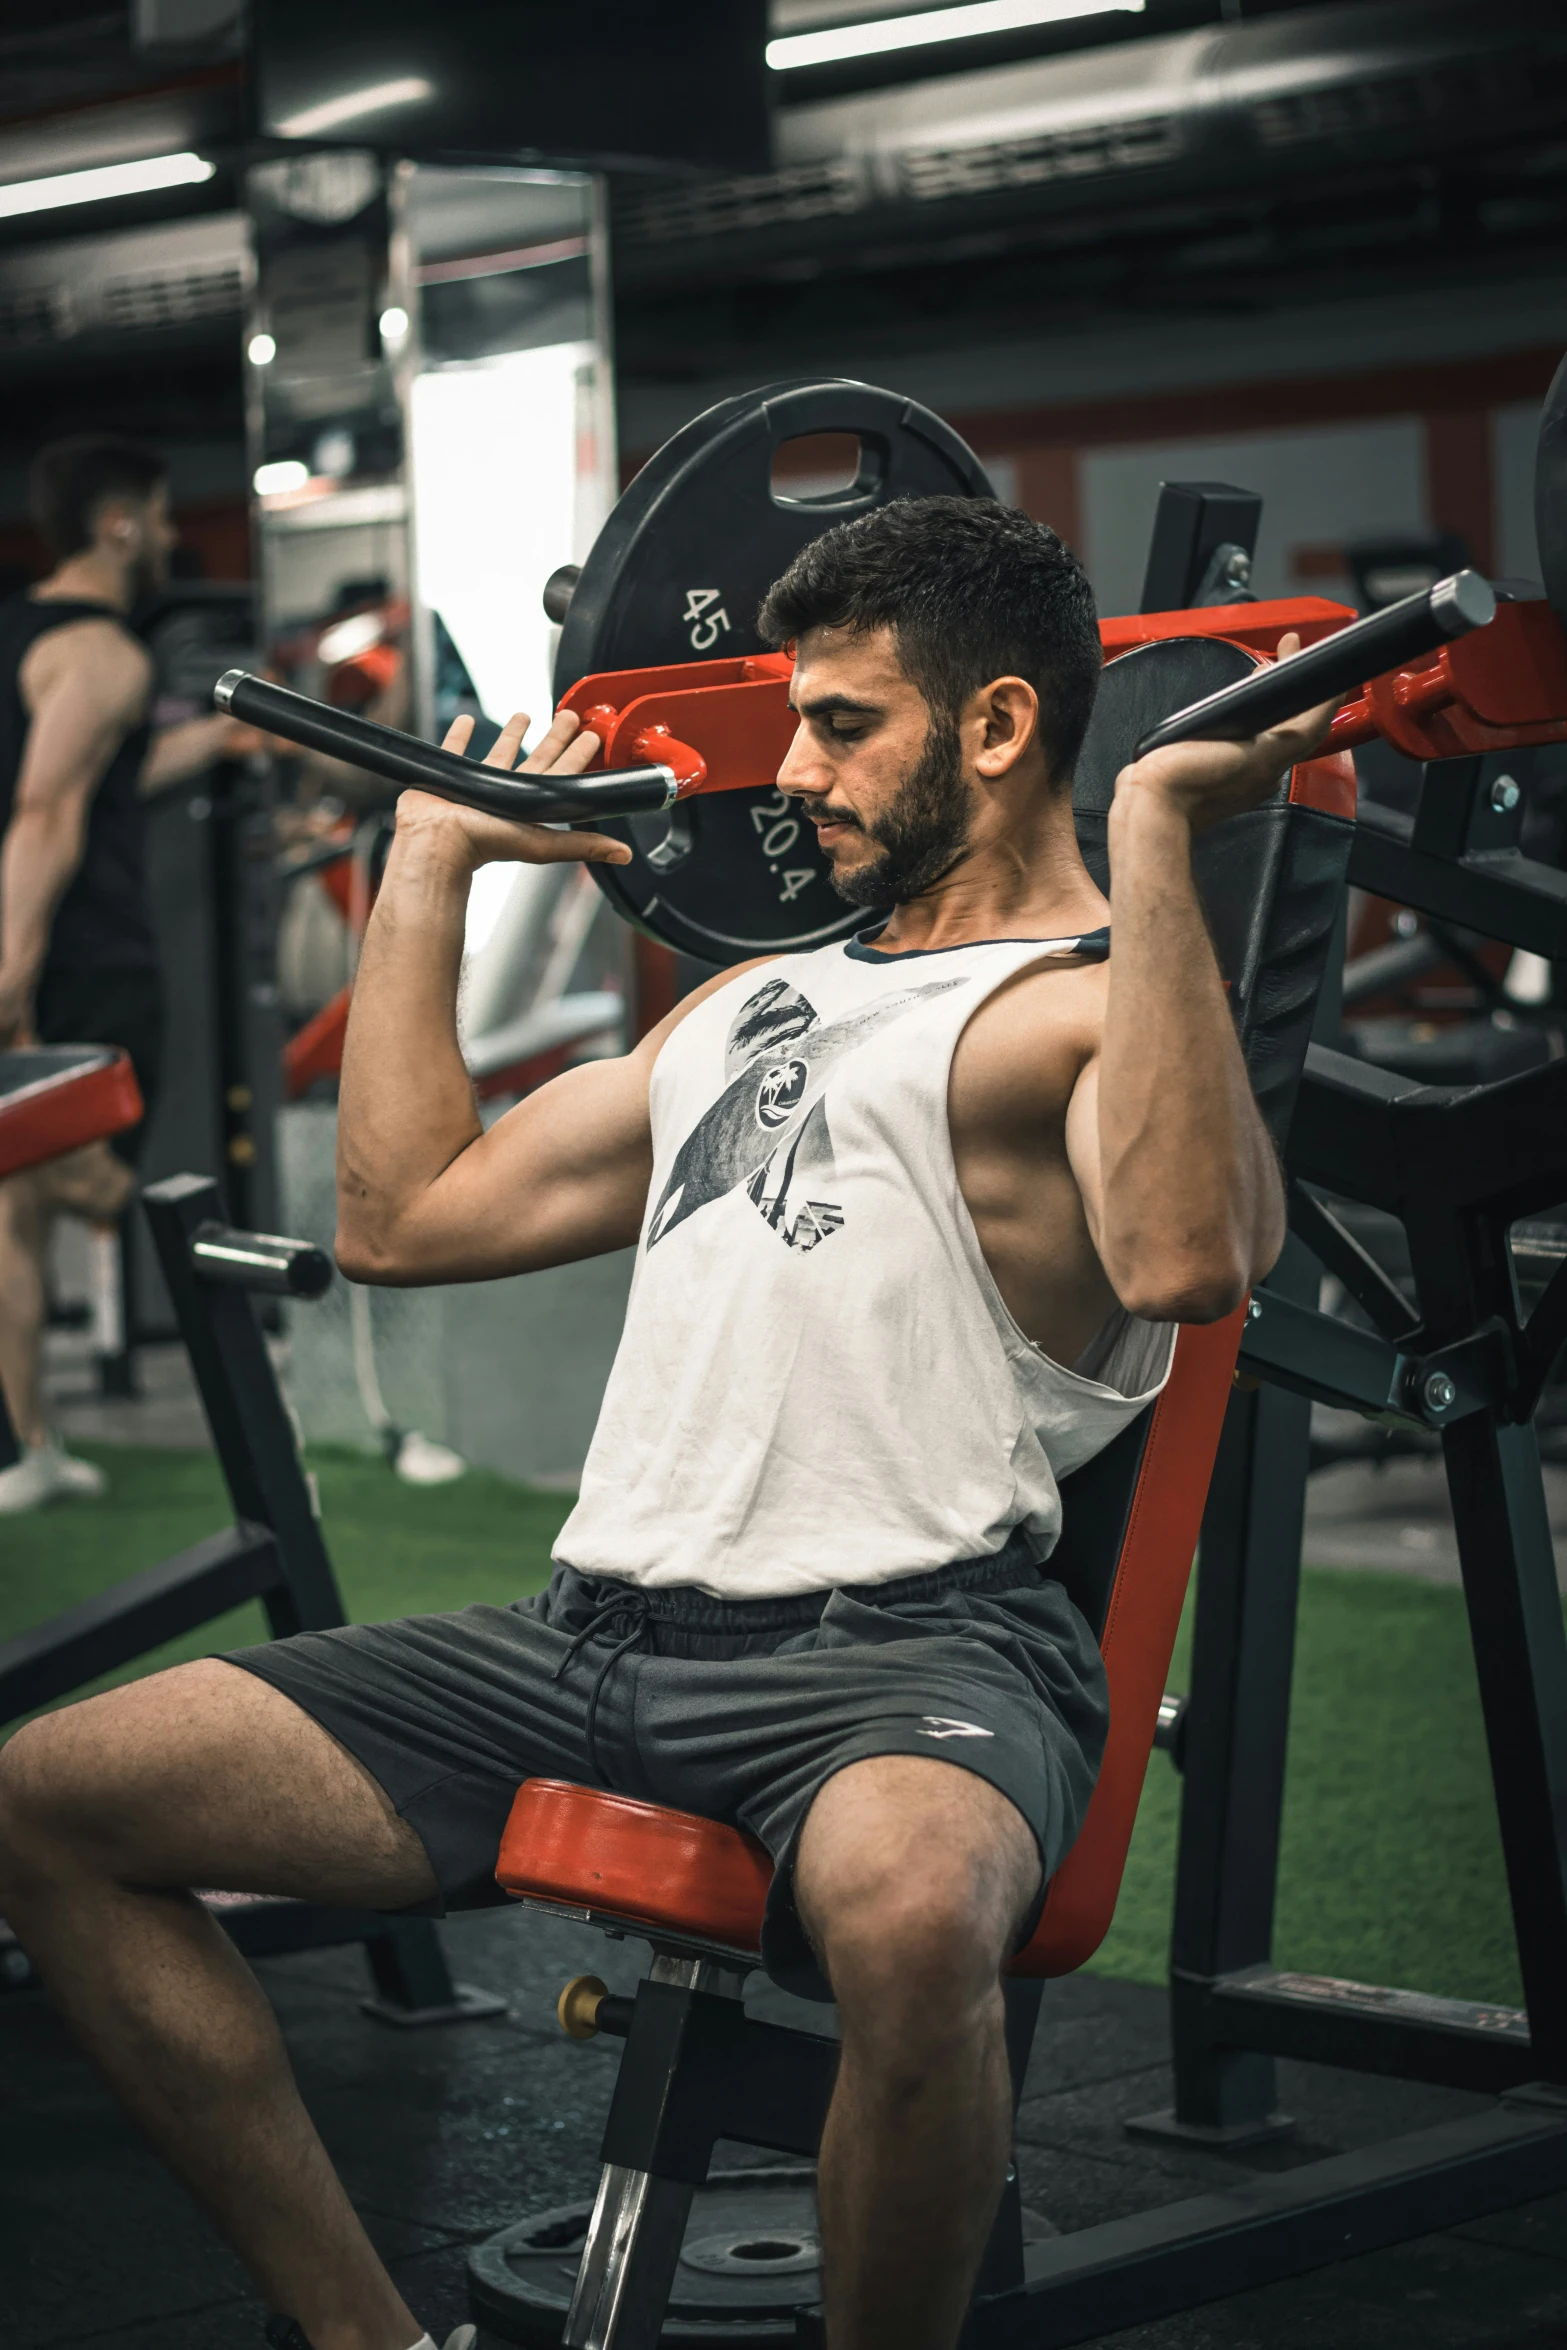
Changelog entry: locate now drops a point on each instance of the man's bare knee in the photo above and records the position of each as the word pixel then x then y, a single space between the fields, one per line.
pixel 893 1946
pixel 25 1838
pixel 912 1881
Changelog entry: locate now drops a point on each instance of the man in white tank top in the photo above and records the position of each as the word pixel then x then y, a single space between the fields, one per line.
pixel 914 1217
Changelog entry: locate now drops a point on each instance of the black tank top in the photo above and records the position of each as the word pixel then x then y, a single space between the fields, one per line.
pixel 103 921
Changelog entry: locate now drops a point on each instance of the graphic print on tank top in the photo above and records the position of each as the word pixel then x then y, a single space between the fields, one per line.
pixel 769 1129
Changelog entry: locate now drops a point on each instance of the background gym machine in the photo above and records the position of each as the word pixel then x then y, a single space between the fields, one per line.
pixel 274 1551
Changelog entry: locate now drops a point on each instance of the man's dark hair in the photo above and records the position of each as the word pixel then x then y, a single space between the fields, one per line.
pixel 72 481
pixel 971 590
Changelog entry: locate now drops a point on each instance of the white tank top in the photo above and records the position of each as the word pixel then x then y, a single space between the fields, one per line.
pixel 818 1383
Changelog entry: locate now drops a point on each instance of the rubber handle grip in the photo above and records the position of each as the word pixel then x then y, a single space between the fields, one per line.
pixel 1337 666
pixel 404 759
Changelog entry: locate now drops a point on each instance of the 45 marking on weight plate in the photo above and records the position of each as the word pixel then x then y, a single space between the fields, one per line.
pixel 706 625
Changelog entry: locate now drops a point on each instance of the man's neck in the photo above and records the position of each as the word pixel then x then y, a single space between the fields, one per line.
pixel 92 577
pixel 1018 886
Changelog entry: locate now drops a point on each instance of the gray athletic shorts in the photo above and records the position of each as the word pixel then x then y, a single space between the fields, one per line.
pixel 737 1709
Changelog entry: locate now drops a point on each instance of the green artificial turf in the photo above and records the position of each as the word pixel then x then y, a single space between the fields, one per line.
pixel 1391 1869
pixel 398 1549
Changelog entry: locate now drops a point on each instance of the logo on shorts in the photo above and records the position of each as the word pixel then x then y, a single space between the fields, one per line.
pixel 781 1092
pixel 942 1726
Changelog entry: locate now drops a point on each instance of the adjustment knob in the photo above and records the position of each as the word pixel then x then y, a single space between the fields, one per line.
pixel 578 2007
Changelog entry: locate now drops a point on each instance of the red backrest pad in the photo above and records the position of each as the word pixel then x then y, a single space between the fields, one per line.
pixel 1138 1639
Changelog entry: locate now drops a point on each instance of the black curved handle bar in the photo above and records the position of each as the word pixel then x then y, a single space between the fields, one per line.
pixel 404 759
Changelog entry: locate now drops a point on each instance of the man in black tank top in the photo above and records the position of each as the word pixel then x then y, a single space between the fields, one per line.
pixel 78 962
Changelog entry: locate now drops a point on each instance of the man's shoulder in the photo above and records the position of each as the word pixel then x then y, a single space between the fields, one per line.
pixel 1036 1030
pixel 93 653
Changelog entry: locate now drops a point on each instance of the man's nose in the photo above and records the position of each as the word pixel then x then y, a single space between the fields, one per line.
pixel 799 771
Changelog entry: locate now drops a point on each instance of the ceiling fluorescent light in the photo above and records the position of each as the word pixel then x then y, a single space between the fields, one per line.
pixel 332 113
pixel 838 42
pixel 105 179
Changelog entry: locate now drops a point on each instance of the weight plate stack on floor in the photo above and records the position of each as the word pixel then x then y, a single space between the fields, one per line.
pixel 677 574
pixel 750 2259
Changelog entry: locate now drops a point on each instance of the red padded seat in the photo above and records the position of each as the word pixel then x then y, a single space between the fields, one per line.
pixel 54 1098
pixel 636 1864
pixel 693 1880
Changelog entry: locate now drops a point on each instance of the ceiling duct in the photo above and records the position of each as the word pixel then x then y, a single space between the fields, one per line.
pixel 1180 116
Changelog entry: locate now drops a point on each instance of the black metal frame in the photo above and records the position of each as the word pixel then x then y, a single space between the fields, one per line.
pixel 273 1551
pixel 1457 1165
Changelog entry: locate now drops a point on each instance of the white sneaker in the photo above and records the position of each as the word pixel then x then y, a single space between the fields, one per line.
pixel 47 1472
pixel 421 1461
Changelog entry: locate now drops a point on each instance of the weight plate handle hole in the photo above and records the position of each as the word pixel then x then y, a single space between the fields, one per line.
pixel 665 841
pixel 828 469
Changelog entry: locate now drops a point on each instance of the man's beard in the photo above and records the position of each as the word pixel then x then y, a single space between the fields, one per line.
pixel 149 572
pixel 923 833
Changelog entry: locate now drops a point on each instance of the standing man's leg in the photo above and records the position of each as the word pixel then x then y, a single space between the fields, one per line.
pixel 913 1878
pixel 92 1182
pixel 109 1811
pixel 23 1232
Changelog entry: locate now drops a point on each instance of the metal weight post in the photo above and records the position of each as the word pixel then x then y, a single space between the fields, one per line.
pixel 273 1551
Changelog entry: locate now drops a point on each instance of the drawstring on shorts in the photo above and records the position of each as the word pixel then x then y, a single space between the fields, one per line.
pixel 613 1607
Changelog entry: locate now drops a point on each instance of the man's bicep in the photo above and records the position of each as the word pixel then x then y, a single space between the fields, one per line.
pixel 564 1175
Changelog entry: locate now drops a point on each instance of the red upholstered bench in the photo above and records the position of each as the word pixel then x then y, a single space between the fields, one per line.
pixel 54 1098
pixel 695 1885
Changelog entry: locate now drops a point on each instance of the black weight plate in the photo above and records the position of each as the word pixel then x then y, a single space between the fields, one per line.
pixel 678 573
pixel 750 2258
pixel 1550 494
pixel 1136 693
pixel 748 2261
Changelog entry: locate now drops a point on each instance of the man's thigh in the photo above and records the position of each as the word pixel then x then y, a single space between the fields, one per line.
pixel 450 1713
pixel 206 1776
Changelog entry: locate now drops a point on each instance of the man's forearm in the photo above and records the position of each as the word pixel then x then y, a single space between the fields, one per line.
pixel 406 1105
pixel 1193 1201
pixel 190 748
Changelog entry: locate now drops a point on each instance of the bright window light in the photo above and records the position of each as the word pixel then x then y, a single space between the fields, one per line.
pixel 261 350
pixel 332 113
pixel 933 24
pixel 394 324
pixel 286 474
pixel 105 179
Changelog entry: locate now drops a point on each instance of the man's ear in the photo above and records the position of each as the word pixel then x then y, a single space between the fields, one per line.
pixel 1009 709
pixel 119 522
